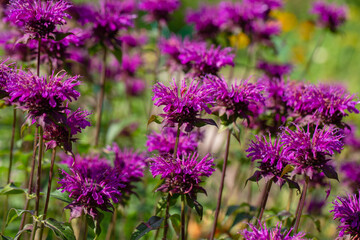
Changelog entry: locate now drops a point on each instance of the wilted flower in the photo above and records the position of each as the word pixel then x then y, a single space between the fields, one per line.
pixel 330 15
pixel 182 175
pixel 240 100
pixel 183 106
pixel 347 211
pixel 276 233
pixel 159 10
pixel 164 142
pixel 311 150
pixel 38 18
pixel 205 60
pixel 92 185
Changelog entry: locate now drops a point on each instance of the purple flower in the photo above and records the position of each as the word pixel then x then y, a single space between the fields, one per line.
pixel 262 31
pixel 272 159
pixel 164 142
pixel 205 60
pixel 134 86
pixel 8 71
pixel 240 100
pixel 182 175
pixel 351 138
pixel 310 150
pixel 347 211
pixel 130 64
pixel 351 171
pixel 133 40
pixel 42 96
pixel 62 133
pixel 183 105
pixel 330 15
pixel 274 70
pixel 276 233
pixel 38 18
pixel 159 10
pixel 206 25
pixel 92 185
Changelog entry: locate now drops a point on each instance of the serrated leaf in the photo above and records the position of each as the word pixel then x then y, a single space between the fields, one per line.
pixel 11 189
pixel 288 168
pixel 62 196
pixel 330 172
pixel 61 230
pixel 155 118
pixel 143 228
pixel 14 213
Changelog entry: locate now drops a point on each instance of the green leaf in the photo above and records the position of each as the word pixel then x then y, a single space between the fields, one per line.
pixel 288 168
pixel 60 35
pixel 200 122
pixel 143 228
pixel 241 216
pixel 117 53
pixel 175 221
pixel 14 213
pixel 61 230
pixel 27 228
pixel 161 205
pixel 61 196
pixel 5 237
pixel 94 49
pixel 95 224
pixel 155 118
pixel 11 189
pixel 199 209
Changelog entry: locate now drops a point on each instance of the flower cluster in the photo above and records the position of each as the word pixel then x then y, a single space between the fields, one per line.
pixel 159 10
pixel 240 100
pixel 330 15
pixel 205 60
pixel 164 142
pixel 272 70
pixel 38 18
pixel 347 210
pixel 276 233
pixel 182 175
pixel 183 105
pixel 311 150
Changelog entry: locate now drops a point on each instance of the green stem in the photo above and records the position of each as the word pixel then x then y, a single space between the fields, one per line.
pixel 101 98
pixel 166 224
pixel 111 225
pixel 38 180
pixel 221 185
pixel 182 217
pixel 301 204
pixel 263 202
pixel 51 173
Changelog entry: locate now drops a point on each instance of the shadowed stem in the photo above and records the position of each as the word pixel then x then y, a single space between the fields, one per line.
pixel 101 98
pixel 166 224
pixel 301 204
pixel 9 169
pixel 264 201
pixel 86 229
pixel 291 194
pixel 111 227
pixel 38 58
pixel 38 179
pixel 182 217
pixel 188 214
pixel 221 185
pixel 51 173
pixel 30 184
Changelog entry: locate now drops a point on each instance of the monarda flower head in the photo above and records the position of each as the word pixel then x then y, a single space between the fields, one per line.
pixel 39 19
pixel 42 96
pixel 309 151
pixel 272 160
pixel 330 15
pixel 130 166
pixel 276 233
pixel 182 175
pixel 7 71
pixel 274 70
pixel 205 60
pixel 183 105
pixel 164 142
pixel 263 31
pixel 351 172
pixel 240 100
pixel 159 10
pixel 347 211
pixel 92 187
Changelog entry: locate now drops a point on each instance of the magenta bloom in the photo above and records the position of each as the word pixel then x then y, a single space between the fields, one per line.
pixel 262 31
pixel 8 71
pixel 93 185
pixel 240 100
pixel 274 70
pixel 204 60
pixel 159 10
pixel 347 211
pixel 183 105
pixel 276 233
pixel 134 86
pixel 206 25
pixel 62 133
pixel 330 15
pixel 311 150
pixel 272 160
pixel 133 40
pixel 182 175
pixel 164 142
pixel 38 18
pixel 42 96
pixel 130 64
pixel 351 171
